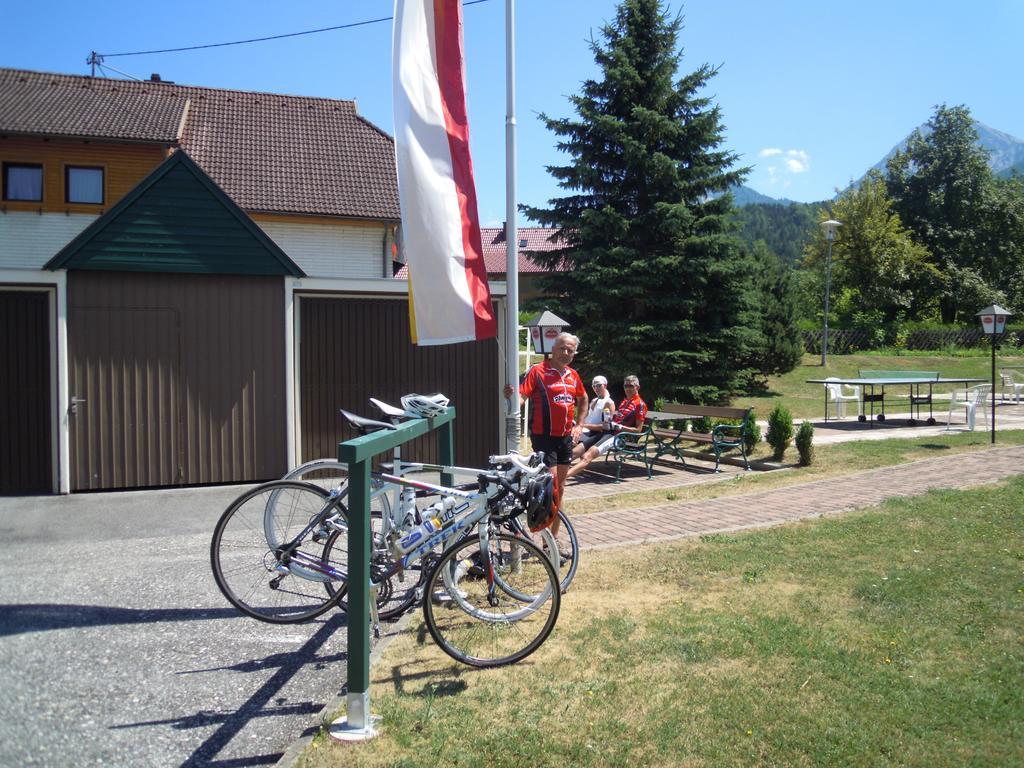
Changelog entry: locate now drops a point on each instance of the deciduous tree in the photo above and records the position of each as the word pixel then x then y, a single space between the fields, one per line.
pixel 943 190
pixel 878 270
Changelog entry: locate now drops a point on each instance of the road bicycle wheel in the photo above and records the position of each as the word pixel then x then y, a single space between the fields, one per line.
pixel 329 474
pixel 565 541
pixel 254 577
pixel 470 604
pixel 326 473
pixel 568 550
pixel 395 594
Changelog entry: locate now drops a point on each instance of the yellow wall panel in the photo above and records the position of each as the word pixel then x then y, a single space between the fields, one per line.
pixel 124 166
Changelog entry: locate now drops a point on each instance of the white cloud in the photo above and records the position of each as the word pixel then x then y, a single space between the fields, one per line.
pixel 782 164
pixel 797 161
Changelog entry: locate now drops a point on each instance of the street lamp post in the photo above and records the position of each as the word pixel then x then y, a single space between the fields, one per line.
pixel 829 228
pixel 993 322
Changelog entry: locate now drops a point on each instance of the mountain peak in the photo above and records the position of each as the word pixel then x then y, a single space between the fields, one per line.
pixel 1005 152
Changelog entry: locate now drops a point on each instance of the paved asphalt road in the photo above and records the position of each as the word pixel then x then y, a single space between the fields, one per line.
pixel 117 649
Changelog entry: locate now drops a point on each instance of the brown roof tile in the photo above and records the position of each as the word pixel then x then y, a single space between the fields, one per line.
pixel 493 241
pixel 536 239
pixel 269 152
pixel 38 103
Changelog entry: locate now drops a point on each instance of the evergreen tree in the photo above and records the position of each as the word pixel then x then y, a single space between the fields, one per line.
pixel 658 285
pixel 781 347
pixel 941 187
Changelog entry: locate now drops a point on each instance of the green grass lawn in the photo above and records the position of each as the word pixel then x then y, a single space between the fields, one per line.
pixel 807 401
pixel 829 461
pixel 890 637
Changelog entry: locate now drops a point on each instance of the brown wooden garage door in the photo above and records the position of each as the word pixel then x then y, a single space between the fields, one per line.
pixel 181 379
pixel 352 349
pixel 26 461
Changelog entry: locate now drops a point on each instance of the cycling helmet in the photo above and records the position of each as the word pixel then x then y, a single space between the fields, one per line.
pixel 424 406
pixel 539 499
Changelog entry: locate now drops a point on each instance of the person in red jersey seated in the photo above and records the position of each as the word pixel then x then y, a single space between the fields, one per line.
pixel 628 418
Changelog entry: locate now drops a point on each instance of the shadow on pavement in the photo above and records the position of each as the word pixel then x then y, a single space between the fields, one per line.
pixel 260 705
pixel 41 617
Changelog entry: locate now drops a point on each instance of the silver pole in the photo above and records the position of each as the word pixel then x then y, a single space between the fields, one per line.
pixel 511 233
pixel 828 278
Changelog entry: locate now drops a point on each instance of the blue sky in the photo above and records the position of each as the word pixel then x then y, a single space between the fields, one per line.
pixel 812 93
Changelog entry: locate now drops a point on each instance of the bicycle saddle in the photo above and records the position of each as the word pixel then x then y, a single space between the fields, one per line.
pixel 387 409
pixel 363 425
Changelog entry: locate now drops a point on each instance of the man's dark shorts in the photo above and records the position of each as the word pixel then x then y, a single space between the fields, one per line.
pixel 556 450
pixel 590 438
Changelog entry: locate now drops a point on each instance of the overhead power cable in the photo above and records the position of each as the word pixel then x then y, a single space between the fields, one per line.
pixel 263 39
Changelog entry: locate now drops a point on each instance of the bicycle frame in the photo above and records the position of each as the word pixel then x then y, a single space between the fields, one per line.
pixel 455 522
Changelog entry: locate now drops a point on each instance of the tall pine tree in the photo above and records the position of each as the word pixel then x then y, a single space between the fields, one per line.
pixel 658 285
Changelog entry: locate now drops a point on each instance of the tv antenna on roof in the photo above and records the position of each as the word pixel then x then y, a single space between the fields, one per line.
pixel 96 60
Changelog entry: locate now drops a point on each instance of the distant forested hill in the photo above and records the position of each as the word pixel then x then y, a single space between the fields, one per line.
pixel 784 228
pixel 743 195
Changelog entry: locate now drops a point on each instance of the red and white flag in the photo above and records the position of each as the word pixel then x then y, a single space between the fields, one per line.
pixel 448 293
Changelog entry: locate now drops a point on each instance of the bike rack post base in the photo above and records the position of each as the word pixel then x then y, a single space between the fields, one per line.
pixel 358 724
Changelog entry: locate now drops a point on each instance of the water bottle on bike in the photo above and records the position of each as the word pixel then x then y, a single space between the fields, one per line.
pixel 426 529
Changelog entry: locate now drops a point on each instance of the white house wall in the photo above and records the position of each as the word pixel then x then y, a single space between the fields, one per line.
pixel 29 240
pixel 333 250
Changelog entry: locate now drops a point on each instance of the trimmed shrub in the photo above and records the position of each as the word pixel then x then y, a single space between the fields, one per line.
pixel 780 431
pixel 753 436
pixel 805 443
pixel 703 424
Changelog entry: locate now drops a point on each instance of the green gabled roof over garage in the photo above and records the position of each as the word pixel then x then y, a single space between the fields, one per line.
pixel 176 220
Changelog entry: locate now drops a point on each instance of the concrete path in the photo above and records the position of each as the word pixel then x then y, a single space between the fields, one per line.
pixel 117 649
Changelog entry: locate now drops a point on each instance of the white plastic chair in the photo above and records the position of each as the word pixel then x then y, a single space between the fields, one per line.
pixel 1010 383
pixel 839 400
pixel 975 399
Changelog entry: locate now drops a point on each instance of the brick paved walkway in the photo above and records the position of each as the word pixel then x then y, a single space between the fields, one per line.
pixel 821 497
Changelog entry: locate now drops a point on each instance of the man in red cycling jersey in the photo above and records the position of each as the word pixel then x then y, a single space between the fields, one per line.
pixel 556 394
pixel 628 418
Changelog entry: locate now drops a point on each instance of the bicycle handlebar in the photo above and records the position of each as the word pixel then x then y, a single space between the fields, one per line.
pixel 516 460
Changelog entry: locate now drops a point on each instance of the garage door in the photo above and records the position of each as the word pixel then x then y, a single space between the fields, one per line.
pixel 352 349
pixel 177 379
pixel 26 461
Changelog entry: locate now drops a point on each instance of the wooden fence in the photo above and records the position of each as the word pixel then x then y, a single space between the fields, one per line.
pixel 842 341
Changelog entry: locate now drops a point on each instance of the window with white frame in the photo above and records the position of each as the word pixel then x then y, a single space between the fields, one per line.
pixel 23 181
pixel 83 185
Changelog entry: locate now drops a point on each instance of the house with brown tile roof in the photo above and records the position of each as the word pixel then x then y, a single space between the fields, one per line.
pixel 202 320
pixel 531 240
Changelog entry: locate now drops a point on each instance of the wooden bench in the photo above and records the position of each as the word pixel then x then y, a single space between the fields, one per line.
pixel 654 442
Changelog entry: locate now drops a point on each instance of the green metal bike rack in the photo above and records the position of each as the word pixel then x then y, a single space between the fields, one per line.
pixel 357 453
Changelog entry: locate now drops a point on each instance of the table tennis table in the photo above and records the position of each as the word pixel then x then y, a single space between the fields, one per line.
pixel 872 391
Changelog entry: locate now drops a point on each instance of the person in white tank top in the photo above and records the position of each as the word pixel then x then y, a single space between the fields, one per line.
pixel 601 409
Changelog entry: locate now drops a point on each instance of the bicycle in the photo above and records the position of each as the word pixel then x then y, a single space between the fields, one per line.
pixel 493 598
pixel 394 509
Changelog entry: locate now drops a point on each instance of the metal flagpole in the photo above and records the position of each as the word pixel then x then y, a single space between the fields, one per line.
pixel 511 233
